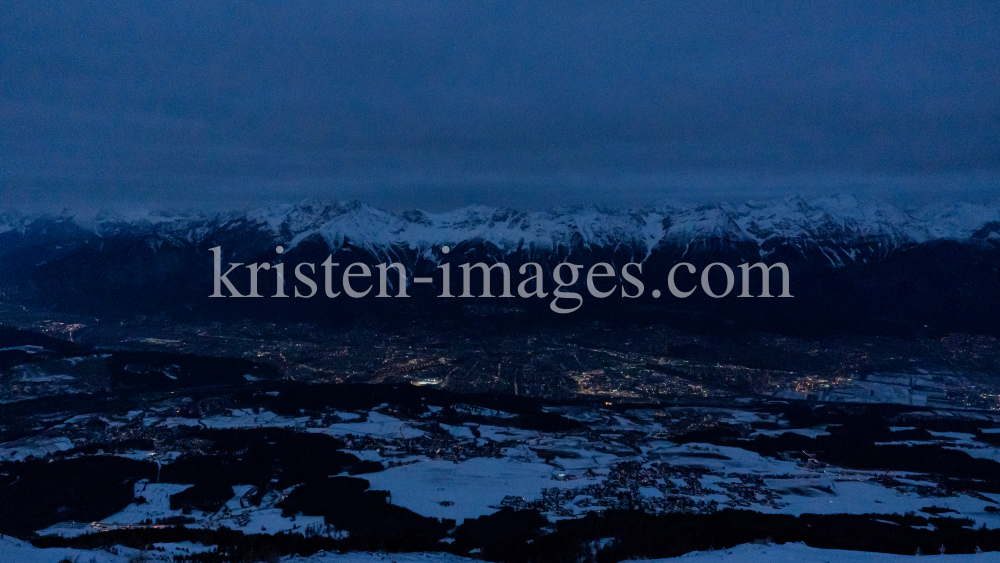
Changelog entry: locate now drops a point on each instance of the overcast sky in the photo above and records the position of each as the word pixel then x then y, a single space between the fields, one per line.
pixel 431 104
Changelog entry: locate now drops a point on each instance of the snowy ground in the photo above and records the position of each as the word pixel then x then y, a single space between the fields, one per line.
pixel 563 474
pixel 37 447
pixel 18 551
pixel 361 557
pixel 263 519
pixel 568 474
pixel 800 553
pixel 476 487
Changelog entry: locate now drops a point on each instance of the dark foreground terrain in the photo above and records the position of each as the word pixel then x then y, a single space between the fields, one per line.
pixel 112 448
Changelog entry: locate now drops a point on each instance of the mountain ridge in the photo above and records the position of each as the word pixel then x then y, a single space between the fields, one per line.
pixel 840 229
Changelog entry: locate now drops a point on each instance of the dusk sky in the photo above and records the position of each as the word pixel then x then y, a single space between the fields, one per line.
pixel 441 104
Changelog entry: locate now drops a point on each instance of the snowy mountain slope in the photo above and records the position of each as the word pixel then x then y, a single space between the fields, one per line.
pixel 801 553
pixel 789 552
pixel 16 550
pixel 839 229
pixel 842 217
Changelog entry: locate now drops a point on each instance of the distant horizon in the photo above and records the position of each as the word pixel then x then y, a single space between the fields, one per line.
pixel 134 212
pixel 537 193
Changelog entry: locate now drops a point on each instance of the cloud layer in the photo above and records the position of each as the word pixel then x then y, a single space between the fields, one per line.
pixel 161 102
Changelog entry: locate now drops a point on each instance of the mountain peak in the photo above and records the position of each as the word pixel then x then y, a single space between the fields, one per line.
pixel 836 226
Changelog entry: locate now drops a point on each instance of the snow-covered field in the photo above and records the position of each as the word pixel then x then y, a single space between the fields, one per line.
pixel 569 474
pixel 476 487
pixel 622 460
pixel 13 550
pixel 801 553
pixel 17 551
pixel 37 447
pixel 155 507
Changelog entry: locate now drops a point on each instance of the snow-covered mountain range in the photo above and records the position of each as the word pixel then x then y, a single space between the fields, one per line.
pixel 850 261
pixel 840 229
